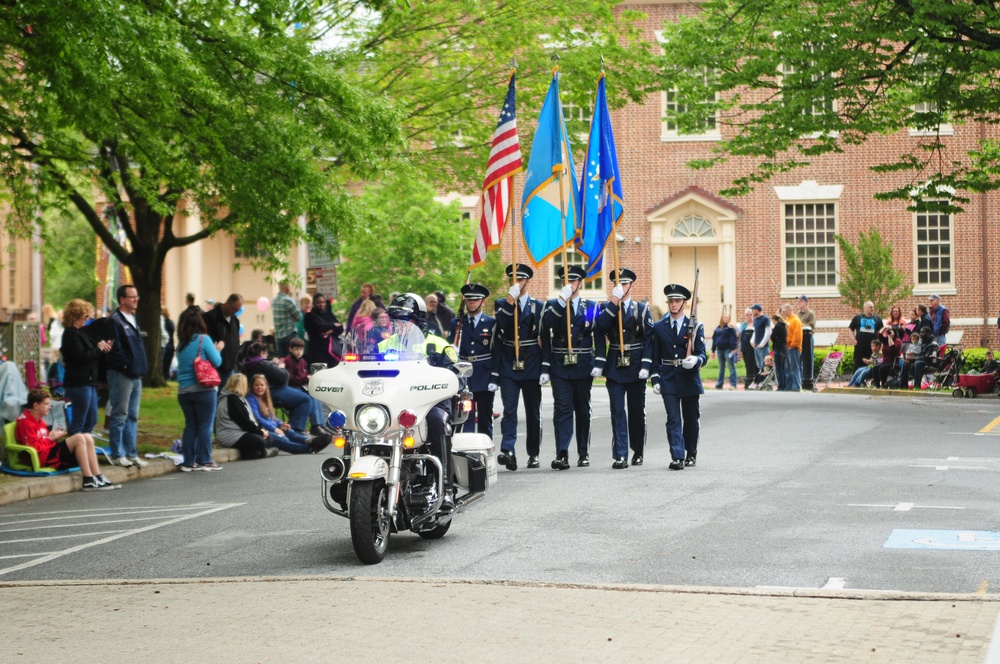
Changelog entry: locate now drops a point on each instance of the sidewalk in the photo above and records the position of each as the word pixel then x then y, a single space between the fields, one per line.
pixel 315 619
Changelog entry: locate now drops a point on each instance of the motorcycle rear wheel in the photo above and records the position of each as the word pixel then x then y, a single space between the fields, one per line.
pixel 370 527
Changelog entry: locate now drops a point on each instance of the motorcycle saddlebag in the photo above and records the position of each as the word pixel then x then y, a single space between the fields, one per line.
pixel 473 461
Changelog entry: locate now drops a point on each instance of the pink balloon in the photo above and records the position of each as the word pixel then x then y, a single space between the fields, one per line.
pixel 263 304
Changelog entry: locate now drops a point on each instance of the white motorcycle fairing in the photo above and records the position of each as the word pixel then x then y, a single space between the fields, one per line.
pixel 369 468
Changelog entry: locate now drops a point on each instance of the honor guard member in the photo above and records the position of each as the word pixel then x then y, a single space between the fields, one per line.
pixel 678 380
pixel 518 373
pixel 625 367
pixel 568 367
pixel 475 345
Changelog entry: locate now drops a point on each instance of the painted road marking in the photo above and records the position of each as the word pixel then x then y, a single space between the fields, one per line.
pixel 906 507
pixel 105 513
pixel 961 540
pixel 918 465
pixel 165 520
pixel 835 583
pixel 989 427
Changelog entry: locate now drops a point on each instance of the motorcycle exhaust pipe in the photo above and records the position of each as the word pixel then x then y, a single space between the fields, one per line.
pixel 332 469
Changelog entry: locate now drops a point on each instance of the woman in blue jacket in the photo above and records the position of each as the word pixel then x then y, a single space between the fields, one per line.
pixel 197 401
pixel 725 347
pixel 281 434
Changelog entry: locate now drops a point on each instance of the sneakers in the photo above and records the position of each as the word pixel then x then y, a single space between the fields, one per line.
pixel 320 443
pixel 124 462
pixel 188 469
pixel 93 484
pixel 136 461
pixel 106 484
pixel 272 452
pixel 211 466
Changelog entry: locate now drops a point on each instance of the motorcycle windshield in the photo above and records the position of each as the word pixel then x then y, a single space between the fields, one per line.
pixel 400 341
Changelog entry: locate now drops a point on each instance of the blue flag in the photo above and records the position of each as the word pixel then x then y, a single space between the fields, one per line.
pixel 601 205
pixel 549 166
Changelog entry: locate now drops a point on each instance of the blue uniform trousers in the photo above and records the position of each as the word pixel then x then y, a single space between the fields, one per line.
pixel 628 417
pixel 510 390
pixel 683 414
pixel 571 401
pixel 481 420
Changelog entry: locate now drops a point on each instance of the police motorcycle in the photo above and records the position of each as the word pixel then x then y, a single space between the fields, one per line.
pixel 397 464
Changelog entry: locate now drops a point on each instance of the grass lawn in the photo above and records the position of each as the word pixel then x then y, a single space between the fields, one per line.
pixel 160 418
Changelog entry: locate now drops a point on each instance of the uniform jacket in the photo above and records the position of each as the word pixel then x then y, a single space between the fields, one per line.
pixel 637 327
pixel 554 338
pixel 228 332
pixel 529 328
pixel 476 346
pixel 127 355
pixel 667 345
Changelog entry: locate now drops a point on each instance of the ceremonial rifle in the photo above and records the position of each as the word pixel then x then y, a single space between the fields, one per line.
pixel 693 318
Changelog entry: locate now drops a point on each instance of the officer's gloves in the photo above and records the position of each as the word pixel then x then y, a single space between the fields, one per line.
pixel 566 293
pixel 542 379
pixel 514 291
pixel 596 372
pixel 690 362
pixel 656 388
pixel 643 374
pixel 618 292
pixel 492 387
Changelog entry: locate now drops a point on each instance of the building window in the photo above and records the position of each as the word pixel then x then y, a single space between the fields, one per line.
pixel 820 105
pixel 465 215
pixel 933 236
pixel 574 258
pixel 674 105
pixel 693 226
pixel 925 111
pixel 810 245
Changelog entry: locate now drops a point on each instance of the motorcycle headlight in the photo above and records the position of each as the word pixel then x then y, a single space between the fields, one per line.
pixel 371 419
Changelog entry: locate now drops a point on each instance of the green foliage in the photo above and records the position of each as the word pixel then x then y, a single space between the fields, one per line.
pixel 69 255
pixel 415 244
pixel 870 274
pixel 796 82
pixel 846 367
pixel 974 358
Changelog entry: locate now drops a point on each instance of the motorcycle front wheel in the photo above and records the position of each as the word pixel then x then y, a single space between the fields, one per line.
pixel 369 521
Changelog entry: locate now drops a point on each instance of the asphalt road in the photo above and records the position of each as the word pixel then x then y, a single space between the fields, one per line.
pixel 791 490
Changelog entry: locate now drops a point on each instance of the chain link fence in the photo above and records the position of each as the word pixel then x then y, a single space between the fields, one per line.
pixel 20 342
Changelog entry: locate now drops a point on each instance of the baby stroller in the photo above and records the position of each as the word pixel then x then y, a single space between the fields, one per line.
pixel 945 372
pixel 828 370
pixel 766 379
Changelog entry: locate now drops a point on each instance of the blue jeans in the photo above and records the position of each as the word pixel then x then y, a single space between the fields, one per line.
pixel 124 394
pixel 84 409
pixel 780 367
pixel 793 374
pixel 199 418
pixel 860 376
pixel 759 354
pixel 726 357
pixel 315 409
pixel 288 441
pixel 296 402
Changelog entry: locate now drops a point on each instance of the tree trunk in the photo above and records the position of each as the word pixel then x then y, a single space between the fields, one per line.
pixel 147 273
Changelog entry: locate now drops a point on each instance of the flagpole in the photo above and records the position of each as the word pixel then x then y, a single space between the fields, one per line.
pixel 565 261
pixel 513 259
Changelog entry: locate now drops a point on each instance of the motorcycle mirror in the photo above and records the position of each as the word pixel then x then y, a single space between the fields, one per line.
pixel 464 369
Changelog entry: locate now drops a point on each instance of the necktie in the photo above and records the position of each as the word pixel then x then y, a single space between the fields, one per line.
pixel 677 328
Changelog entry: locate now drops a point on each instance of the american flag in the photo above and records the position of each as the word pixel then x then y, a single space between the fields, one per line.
pixel 504 162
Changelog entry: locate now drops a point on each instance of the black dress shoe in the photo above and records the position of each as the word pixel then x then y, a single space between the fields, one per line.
pixel 636 459
pixel 676 464
pixel 561 462
pixel 620 463
pixel 533 462
pixel 502 457
pixel 583 461
pixel 690 461
pixel 510 461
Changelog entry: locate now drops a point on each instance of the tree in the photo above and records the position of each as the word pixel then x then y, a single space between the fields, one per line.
pixel 870 274
pixel 795 83
pixel 416 245
pixel 163 109
pixel 69 255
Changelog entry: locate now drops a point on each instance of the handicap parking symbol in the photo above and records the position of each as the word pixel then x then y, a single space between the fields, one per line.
pixel 959 540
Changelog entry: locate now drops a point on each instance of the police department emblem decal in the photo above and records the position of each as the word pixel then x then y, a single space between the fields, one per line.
pixel 373 388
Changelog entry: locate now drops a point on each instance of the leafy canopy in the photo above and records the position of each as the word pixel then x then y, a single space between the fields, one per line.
pixel 870 274
pixel 795 82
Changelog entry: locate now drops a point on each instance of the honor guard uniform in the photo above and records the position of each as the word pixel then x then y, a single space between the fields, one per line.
pixel 517 373
pixel 570 366
pixel 625 367
pixel 677 378
pixel 475 345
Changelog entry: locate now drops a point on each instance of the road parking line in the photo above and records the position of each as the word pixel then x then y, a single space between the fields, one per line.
pixel 917 465
pixel 53 537
pixel 989 427
pixel 111 512
pixel 835 583
pixel 44 557
pixel 906 507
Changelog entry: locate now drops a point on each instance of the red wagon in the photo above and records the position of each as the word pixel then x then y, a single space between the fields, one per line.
pixel 969 385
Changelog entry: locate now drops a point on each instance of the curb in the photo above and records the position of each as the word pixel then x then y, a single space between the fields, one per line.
pixel 29 488
pixel 890 393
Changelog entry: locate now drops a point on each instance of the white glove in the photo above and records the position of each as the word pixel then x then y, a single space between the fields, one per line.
pixel 566 293
pixel 544 378
pixel 596 372
pixel 514 291
pixel 618 292
pixel 656 388
pixel 690 362
pixel 643 374
pixel 492 387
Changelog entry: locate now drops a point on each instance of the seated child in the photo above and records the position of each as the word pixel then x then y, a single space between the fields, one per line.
pixel 865 372
pixel 282 435
pixel 77 450
pixel 298 377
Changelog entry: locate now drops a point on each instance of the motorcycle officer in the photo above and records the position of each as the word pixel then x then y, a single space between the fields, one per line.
pixel 475 345
pixel 409 315
pixel 625 367
pixel 570 369
pixel 677 378
pixel 517 374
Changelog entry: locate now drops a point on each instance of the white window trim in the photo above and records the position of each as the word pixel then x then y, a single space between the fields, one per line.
pixel 809 191
pixel 588 289
pixel 673 136
pixel 945 129
pixel 946 288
